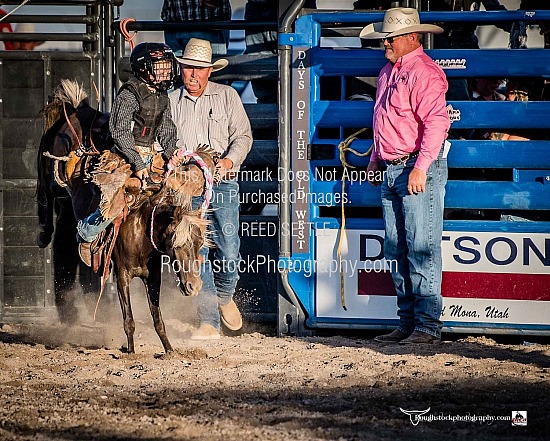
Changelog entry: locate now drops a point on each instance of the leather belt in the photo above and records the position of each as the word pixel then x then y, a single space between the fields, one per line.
pixel 403 159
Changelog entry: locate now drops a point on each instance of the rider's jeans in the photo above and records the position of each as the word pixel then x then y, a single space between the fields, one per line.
pixel 90 227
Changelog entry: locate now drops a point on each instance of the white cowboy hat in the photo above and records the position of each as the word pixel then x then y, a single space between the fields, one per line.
pixel 199 53
pixel 27 28
pixel 398 21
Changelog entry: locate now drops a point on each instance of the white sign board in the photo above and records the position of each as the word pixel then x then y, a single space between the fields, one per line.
pixel 488 277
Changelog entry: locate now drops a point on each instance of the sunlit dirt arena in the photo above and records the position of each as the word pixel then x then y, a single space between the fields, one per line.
pixel 60 383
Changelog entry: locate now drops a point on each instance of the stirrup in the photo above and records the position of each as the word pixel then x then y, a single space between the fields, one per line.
pixel 154 178
pixel 85 253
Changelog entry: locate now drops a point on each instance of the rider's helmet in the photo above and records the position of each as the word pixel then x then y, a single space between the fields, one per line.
pixel 155 65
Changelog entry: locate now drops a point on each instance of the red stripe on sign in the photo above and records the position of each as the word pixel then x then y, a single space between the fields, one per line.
pixel 375 283
pixel 496 286
pixel 467 285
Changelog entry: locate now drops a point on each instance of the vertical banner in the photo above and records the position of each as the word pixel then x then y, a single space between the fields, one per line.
pixel 299 172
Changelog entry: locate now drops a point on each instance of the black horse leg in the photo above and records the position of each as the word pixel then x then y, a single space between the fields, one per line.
pixel 152 286
pixel 123 283
pixel 45 198
pixel 65 262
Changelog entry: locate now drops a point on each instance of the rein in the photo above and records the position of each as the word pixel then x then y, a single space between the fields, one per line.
pixel 208 184
pixel 153 224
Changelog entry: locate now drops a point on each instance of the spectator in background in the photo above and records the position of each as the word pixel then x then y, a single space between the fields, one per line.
pixel 517 90
pixel 191 11
pixel 5 27
pixel 539 87
pixel 25 28
pixel 461 35
pixel 486 89
pixel 533 5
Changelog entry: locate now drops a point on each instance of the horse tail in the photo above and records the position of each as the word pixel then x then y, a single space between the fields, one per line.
pixel 68 92
pixel 71 93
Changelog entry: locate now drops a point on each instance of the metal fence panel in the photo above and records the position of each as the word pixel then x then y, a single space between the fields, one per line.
pixel 26 80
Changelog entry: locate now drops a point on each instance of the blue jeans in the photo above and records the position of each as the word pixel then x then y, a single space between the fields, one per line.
pixel 220 272
pixel 414 226
pixel 178 40
pixel 90 227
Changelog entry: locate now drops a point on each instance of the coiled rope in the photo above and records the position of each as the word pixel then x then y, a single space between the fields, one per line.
pixel 344 147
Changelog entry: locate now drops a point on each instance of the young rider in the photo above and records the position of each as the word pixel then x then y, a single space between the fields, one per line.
pixel 141 125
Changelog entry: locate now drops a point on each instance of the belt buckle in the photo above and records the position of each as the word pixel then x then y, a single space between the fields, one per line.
pixel 403 159
pixel 144 151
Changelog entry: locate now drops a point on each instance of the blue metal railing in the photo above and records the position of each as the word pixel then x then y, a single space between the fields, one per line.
pixel 323 114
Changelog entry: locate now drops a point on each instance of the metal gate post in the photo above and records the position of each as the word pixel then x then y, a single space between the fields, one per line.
pixel 291 315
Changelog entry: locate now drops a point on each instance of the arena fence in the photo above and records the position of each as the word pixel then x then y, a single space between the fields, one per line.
pixel 26 80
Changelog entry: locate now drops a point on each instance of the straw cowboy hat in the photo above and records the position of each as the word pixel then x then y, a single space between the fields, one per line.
pixel 398 21
pixel 199 53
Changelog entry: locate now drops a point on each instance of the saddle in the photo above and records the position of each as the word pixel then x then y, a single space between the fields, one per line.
pixel 120 194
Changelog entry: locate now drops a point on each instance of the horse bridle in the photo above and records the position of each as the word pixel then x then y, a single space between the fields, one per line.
pixel 82 149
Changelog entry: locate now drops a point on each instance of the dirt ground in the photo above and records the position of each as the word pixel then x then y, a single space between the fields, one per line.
pixel 61 383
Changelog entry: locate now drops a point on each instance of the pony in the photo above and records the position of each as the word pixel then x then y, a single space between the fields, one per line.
pixel 164 233
pixel 158 228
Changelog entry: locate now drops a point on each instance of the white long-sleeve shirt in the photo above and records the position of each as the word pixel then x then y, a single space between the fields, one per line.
pixel 216 118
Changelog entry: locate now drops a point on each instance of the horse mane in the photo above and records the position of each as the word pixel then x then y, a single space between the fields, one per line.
pixel 204 148
pixel 68 92
pixel 186 231
pixel 190 220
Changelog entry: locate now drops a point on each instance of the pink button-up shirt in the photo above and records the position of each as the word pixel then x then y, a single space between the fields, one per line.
pixel 410 113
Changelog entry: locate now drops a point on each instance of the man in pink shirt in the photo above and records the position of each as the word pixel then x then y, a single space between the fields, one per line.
pixel 410 125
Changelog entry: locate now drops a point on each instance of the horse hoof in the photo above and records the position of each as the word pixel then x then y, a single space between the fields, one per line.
pixel 168 355
pixel 43 240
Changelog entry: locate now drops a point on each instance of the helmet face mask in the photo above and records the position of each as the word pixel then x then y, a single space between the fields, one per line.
pixel 155 65
pixel 163 74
